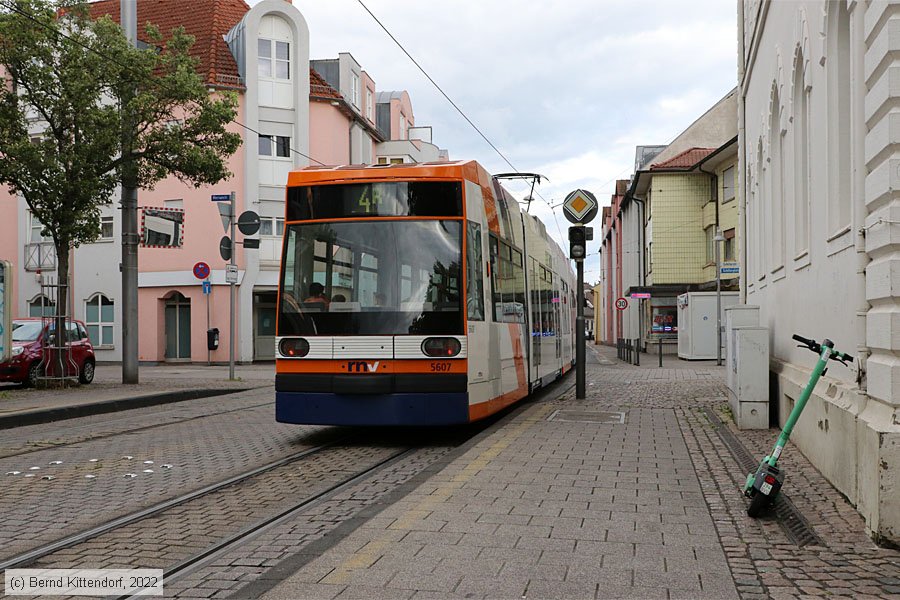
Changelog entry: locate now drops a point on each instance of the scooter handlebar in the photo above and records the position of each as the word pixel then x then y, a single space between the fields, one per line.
pixel 817 348
pixel 804 341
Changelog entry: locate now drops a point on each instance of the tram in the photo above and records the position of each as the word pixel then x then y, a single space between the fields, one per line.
pixel 415 294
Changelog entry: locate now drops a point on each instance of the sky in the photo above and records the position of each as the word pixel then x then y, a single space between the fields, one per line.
pixel 566 89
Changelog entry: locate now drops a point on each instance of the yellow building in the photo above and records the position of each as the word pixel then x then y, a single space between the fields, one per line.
pixel 689 197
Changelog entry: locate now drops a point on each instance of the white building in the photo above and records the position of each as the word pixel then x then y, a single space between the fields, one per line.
pixel 819 123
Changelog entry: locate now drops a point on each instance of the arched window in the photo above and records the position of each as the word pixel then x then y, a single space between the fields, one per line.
pixel 41 306
pixel 801 159
pixel 839 167
pixel 99 318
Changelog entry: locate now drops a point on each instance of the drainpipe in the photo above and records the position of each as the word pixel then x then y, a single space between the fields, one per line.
pixel 742 158
pixel 640 263
pixel 857 104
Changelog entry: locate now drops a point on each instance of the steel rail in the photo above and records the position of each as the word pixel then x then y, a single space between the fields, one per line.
pixel 29 557
pixel 235 540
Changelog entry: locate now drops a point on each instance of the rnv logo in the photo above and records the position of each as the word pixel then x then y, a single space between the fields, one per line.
pixel 361 366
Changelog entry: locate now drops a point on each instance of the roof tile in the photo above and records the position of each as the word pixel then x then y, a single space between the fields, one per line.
pixel 207 20
pixel 686 160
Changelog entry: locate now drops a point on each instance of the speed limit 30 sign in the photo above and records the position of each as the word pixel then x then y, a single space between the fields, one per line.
pixel 621 303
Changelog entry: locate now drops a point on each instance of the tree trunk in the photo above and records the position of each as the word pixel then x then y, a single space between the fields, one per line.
pixel 58 357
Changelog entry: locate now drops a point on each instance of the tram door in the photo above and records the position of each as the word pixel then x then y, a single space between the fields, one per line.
pixel 178 328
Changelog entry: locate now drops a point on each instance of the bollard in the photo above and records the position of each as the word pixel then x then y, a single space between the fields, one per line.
pixel 637 352
pixel 660 351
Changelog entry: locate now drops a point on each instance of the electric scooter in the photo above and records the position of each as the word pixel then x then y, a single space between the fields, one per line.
pixel 762 487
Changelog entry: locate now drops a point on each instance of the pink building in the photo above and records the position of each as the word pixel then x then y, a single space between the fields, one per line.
pixel 289 116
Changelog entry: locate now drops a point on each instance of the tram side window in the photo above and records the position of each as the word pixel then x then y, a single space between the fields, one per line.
pixel 535 281
pixel 496 295
pixel 474 280
pixel 509 285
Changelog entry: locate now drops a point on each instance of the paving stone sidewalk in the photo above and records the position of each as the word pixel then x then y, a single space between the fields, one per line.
pixel 630 493
pixel 568 500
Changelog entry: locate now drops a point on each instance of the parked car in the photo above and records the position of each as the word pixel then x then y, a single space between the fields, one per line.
pixel 30 340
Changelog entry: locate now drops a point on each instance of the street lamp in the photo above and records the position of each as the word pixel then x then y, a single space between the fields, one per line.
pixel 718 238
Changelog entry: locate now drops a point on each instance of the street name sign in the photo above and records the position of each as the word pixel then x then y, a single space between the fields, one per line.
pixel 580 206
pixel 231 274
pixel 730 268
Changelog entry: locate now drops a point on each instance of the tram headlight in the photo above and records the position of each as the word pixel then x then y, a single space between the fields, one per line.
pixel 294 347
pixel 441 347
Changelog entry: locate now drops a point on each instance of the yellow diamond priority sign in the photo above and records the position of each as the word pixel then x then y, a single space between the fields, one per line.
pixel 580 207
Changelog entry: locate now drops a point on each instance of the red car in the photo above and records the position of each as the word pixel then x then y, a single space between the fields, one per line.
pixel 29 340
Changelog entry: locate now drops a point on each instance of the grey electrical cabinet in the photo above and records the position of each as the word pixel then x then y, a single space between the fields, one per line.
pixel 749 399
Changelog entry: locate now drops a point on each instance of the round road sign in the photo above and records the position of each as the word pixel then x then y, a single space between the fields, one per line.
pixel 201 270
pixel 621 303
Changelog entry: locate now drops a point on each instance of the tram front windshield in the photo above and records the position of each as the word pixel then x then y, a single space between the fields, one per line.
pixel 372 277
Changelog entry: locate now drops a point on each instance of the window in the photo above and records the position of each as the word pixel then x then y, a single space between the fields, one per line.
pixel 275 145
pixel 106 229
pixel 99 318
pixel 728 184
pixel 507 283
pixel 710 244
pixel 37 231
pixel 370 105
pixel 275 63
pixel 273 226
pixel 402 126
pixel 354 89
pixel 41 306
pixel 474 278
pixel 729 244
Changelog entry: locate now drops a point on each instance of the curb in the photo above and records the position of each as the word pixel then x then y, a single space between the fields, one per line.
pixel 61 413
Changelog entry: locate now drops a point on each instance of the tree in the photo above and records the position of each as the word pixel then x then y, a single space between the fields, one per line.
pixel 80 108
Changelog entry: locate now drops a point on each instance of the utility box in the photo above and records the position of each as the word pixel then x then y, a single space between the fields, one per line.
pixel 739 315
pixel 697 337
pixel 749 399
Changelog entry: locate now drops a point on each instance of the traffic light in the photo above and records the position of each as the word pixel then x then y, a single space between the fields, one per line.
pixel 577 242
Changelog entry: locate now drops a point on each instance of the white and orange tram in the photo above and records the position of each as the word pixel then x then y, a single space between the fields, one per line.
pixel 415 294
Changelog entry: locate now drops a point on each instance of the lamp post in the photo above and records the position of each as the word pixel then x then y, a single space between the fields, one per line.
pixel 718 238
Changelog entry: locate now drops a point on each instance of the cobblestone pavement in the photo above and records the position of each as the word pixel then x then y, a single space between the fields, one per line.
pixel 29 439
pixel 167 538
pixel 34 511
pixel 154 380
pixel 629 493
pixel 763 560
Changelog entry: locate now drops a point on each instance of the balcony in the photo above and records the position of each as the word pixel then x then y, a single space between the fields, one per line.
pixel 40 256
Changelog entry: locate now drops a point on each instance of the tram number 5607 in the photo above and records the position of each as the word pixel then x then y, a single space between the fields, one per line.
pixel 440 367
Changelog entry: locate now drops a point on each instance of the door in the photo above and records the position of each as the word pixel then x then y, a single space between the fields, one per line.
pixel 264 326
pixel 178 328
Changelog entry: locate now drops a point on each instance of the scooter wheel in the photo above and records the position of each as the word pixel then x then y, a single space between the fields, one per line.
pixel 758 505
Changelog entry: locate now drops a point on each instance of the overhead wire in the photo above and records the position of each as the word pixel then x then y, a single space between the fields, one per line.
pixel 113 60
pixel 455 106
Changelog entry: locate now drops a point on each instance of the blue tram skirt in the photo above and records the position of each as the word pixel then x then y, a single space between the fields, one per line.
pixel 378 409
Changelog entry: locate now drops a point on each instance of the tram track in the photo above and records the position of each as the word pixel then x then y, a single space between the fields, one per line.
pixel 31 556
pixel 103 436
pixel 199 560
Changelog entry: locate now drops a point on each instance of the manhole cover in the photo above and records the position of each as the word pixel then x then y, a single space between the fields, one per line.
pixel 588 416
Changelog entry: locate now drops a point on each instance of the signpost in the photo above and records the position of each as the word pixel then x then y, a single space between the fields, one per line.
pixel 580 207
pixel 248 223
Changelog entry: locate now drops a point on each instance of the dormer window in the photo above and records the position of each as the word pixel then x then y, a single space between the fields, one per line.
pixel 274 59
pixel 354 89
